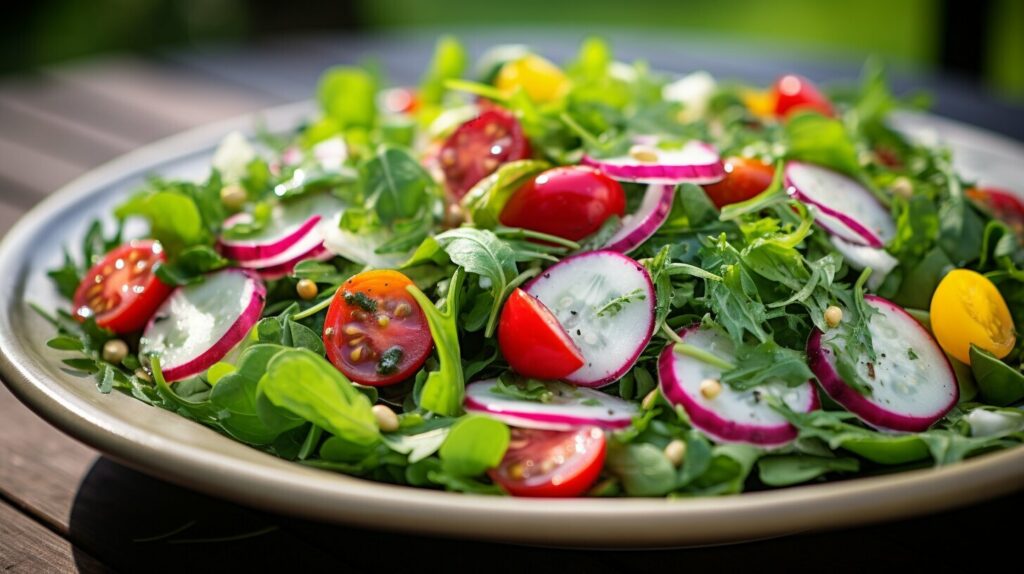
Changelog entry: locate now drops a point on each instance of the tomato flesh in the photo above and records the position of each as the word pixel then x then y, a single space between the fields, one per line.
pixel 543 463
pixel 540 79
pixel 967 309
pixel 375 332
pixel 570 202
pixel 479 146
pixel 1003 204
pixel 795 93
pixel 744 179
pixel 533 341
pixel 121 292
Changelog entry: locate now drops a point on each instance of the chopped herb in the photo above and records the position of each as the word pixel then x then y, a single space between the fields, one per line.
pixel 361 300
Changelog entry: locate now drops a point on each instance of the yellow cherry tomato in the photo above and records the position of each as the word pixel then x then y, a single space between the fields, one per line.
pixel 967 309
pixel 542 80
pixel 761 103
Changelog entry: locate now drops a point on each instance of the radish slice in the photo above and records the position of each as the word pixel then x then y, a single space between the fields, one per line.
pixel 697 162
pixel 289 223
pixel 570 407
pixel 862 257
pixel 640 226
pixel 310 246
pixel 912 383
pixel 842 206
pixel 199 324
pixel 580 291
pixel 360 248
pixel 731 416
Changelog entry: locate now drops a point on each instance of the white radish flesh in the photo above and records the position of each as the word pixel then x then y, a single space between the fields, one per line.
pixel 568 408
pixel 842 206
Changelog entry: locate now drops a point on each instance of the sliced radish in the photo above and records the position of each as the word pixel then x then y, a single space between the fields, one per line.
pixel 696 162
pixel 199 324
pixel 360 248
pixel 912 382
pixel 289 223
pixel 842 206
pixel 569 407
pixel 863 257
pixel 310 246
pixel 729 415
pixel 640 226
pixel 580 291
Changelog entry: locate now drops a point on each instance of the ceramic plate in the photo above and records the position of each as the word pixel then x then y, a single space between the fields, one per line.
pixel 173 448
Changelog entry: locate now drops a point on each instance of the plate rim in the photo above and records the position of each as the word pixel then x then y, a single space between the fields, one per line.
pixel 342 499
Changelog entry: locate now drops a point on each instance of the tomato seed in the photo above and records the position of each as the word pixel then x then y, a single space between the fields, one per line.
pixel 383 320
pixel 403 310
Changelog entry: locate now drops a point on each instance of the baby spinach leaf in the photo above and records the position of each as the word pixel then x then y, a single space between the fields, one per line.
pixel 999 383
pixel 794 469
pixel 174 218
pixel 304 383
pixel 190 265
pixel 817 139
pixel 348 96
pixel 236 393
pixel 643 468
pixel 474 444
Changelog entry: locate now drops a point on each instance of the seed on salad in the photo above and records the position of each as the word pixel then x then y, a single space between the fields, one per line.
pixel 383 321
pixel 902 187
pixel 710 388
pixel 114 351
pixel 306 289
pixel 233 196
pixel 649 401
pixel 675 451
pixel 387 420
pixel 142 374
pixel 643 153
pixel 403 310
pixel 833 316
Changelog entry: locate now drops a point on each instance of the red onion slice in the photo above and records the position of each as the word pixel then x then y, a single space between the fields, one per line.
pixel 641 225
pixel 696 162
pixel 569 407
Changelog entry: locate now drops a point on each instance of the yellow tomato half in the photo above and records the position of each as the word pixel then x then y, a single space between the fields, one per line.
pixel 761 103
pixel 542 80
pixel 967 309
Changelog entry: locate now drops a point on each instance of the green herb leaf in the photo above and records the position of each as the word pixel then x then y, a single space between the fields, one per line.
pixel 474 445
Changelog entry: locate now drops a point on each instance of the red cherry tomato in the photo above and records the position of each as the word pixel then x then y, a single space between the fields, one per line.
pixel 479 146
pixel 570 202
pixel 793 93
pixel 533 341
pixel 121 291
pixel 375 332
pixel 551 463
pixel 1003 204
pixel 744 178
pixel 399 100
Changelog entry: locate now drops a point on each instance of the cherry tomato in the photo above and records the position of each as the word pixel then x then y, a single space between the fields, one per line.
pixel 533 341
pixel 570 202
pixel 1003 205
pixel 479 146
pixel 744 178
pixel 375 332
pixel 966 310
pixel 399 100
pixel 540 79
pixel 793 93
pixel 121 291
pixel 546 463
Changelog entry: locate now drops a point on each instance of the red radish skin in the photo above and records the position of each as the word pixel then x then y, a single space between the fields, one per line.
pixel 714 424
pixel 640 226
pixel 310 246
pixel 562 413
pixel 697 162
pixel 912 336
pixel 318 253
pixel 847 209
pixel 236 333
pixel 576 287
pixel 243 250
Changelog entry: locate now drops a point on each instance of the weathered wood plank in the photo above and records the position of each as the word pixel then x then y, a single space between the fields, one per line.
pixel 58 136
pixel 40 467
pixel 8 214
pixel 26 546
pixel 34 170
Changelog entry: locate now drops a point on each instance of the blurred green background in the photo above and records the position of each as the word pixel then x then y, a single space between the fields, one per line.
pixel 981 40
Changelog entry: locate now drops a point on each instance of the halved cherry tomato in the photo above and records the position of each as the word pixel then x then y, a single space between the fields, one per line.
pixel 540 79
pixel 533 341
pixel 966 310
pixel 546 463
pixel 794 93
pixel 121 291
pixel 1003 205
pixel 375 332
pixel 744 178
pixel 479 146
pixel 571 202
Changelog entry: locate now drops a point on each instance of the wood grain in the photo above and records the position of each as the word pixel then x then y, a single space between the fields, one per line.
pixel 28 547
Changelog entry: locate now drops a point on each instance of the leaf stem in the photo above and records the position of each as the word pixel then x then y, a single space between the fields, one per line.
pixel 519 233
pixel 315 308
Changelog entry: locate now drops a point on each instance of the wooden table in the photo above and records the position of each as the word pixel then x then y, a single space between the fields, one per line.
pixel 64 506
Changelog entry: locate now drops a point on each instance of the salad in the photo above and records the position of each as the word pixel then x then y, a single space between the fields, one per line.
pixel 582 280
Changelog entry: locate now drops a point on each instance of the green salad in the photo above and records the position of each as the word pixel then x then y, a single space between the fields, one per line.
pixel 591 279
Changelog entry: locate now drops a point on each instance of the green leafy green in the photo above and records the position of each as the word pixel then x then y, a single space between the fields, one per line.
pixel 474 444
pixel 445 387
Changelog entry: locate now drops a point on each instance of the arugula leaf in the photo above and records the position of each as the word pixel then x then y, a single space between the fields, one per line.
pixel 304 383
pixel 522 388
pixel 397 186
pixel 448 63
pixel 787 470
pixel 349 97
pixel 615 305
pixel 444 388
pixel 817 139
pixel 480 251
pixel 474 444
pixel 190 265
pixel 765 363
